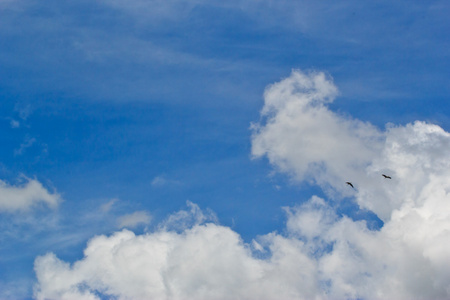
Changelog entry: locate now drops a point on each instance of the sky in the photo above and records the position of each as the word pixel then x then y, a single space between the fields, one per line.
pixel 200 149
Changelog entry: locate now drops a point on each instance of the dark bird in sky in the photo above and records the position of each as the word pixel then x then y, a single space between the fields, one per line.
pixel 350 184
pixel 385 176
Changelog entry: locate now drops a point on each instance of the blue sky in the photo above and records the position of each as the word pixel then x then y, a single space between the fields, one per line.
pixel 125 110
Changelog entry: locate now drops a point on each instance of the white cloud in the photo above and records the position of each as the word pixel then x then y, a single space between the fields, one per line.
pixel 301 136
pixel 203 262
pixel 23 197
pixel 417 157
pixel 134 219
pixel 335 259
pixel 320 255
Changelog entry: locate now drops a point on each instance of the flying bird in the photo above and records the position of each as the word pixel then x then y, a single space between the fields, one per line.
pixel 385 176
pixel 350 184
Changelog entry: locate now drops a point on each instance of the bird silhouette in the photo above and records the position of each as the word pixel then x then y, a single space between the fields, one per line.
pixel 385 176
pixel 350 184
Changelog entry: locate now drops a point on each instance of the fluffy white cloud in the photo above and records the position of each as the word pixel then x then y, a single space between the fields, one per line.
pixel 406 258
pixel 301 136
pixel 20 198
pixel 320 255
pixel 204 262
pixel 327 258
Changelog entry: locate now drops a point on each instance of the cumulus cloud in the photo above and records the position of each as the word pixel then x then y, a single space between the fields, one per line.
pixel 329 258
pixel 320 254
pixel 23 197
pixel 206 261
pixel 134 219
pixel 301 136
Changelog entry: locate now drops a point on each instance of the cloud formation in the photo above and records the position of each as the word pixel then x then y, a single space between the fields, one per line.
pixel 321 254
pixel 23 197
pixel 301 136
pixel 134 219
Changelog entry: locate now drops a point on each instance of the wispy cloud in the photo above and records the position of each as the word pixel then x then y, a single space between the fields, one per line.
pixel 24 111
pixel 98 58
pixel 108 205
pixel 183 219
pixel 14 123
pixel 161 181
pixel 27 143
pixel 15 289
pixel 134 219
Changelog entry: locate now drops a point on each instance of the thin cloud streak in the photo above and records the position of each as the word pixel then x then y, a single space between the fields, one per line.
pixel 28 142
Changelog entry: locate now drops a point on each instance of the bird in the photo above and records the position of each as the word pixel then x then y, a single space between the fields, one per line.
pixel 350 184
pixel 385 176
